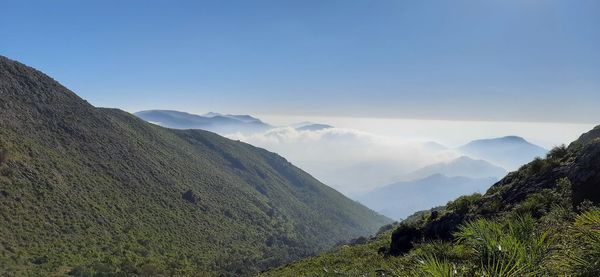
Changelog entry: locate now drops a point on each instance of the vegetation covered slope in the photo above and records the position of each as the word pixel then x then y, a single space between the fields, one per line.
pixel 86 191
pixel 542 220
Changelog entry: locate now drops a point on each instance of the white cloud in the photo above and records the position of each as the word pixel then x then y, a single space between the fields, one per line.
pixel 349 160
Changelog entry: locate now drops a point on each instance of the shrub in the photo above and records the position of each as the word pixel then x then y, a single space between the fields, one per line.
pixel 386 228
pixel 403 238
pixel 359 240
pixel 490 206
pixel 536 204
pixel 557 153
pixel 538 165
pixel 564 189
pixel 462 204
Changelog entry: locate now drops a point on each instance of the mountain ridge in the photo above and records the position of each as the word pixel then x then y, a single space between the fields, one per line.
pixel 215 122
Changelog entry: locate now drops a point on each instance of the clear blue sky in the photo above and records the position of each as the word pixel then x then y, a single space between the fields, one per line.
pixel 478 59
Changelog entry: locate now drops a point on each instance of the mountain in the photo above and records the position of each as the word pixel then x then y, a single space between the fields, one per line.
pixel 92 191
pixel 461 166
pixel 313 127
pixel 214 122
pixel 434 146
pixel 401 199
pixel 541 220
pixel 509 152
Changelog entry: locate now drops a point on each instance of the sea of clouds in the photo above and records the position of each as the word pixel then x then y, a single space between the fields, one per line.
pixel 348 160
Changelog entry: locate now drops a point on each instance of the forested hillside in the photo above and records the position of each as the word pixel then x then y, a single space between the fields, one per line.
pixel 87 190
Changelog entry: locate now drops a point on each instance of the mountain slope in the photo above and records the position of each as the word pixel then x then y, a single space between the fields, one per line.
pixel 214 122
pixel 461 166
pixel 509 152
pixel 88 191
pixel 401 199
pixel 542 220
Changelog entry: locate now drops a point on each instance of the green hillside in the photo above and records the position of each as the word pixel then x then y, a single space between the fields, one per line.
pixel 89 191
pixel 542 220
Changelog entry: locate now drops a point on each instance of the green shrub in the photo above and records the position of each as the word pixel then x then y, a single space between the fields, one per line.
pixel 538 165
pixel 462 204
pixel 540 203
pixel 557 153
pixel 490 206
pixel 386 228
pixel 536 204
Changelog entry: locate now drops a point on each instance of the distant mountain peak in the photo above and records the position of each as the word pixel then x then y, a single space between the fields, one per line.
pixel 509 152
pixel 436 176
pixel 464 159
pixel 505 139
pixel 435 146
pixel 211 114
pixel 461 166
pixel 513 139
pixel 314 127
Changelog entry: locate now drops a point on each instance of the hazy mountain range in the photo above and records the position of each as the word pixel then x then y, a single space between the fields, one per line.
pixel 219 123
pixel 401 199
pixel 509 152
pixel 432 185
pixel 214 122
pixel 355 162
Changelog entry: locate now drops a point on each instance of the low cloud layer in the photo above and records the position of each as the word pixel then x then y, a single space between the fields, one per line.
pixel 349 160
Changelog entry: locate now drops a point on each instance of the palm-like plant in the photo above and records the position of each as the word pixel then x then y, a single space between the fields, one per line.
pixel 510 248
pixel 432 265
pixel 584 259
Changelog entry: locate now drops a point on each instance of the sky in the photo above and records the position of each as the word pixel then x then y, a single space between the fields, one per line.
pixel 462 60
